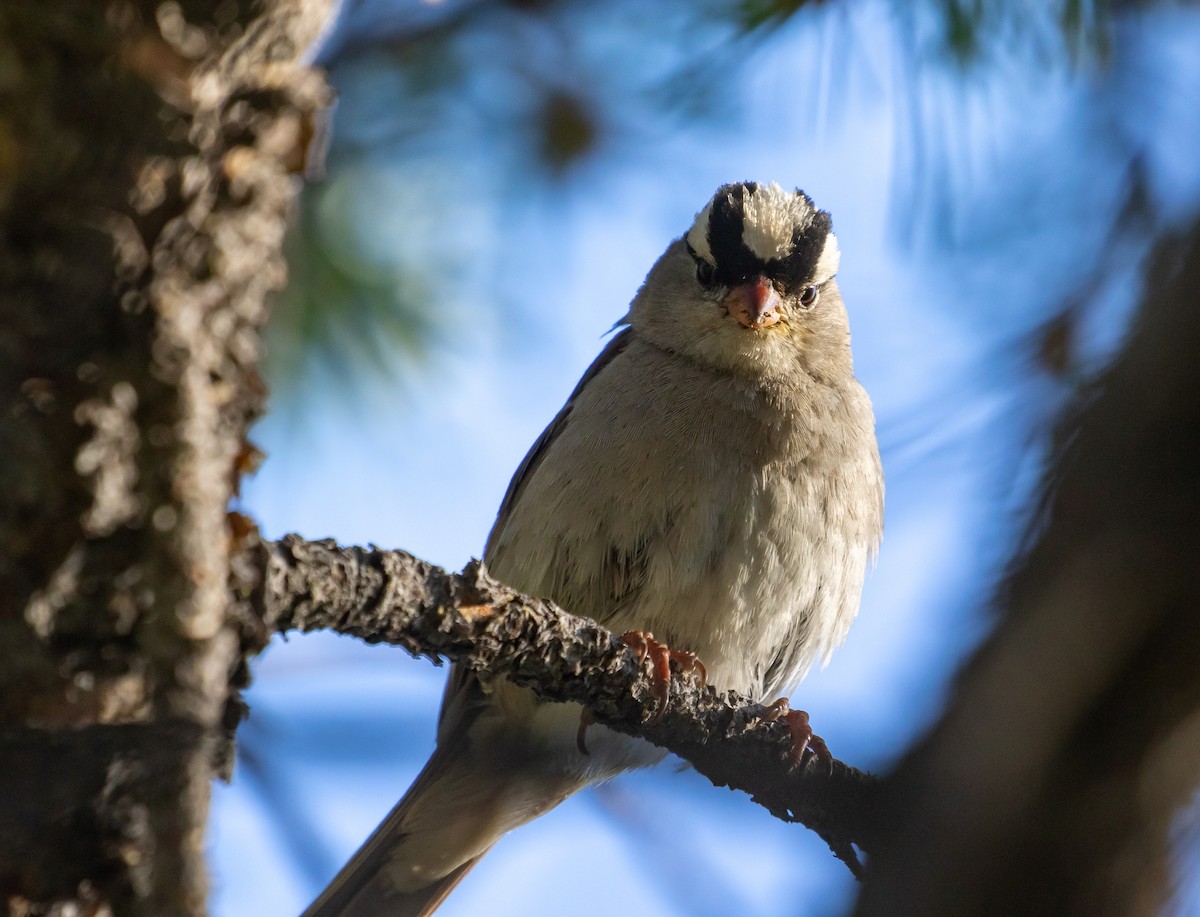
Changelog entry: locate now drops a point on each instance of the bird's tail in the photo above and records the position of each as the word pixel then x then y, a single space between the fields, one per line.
pixel 362 889
pixel 456 809
pixel 440 829
pixel 487 775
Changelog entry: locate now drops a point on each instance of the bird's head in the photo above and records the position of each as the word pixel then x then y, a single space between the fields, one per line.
pixel 751 287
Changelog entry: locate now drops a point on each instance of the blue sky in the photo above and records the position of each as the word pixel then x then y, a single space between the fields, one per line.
pixel 949 263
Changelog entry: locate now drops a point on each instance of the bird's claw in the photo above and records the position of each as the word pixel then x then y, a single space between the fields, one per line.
pixel 690 664
pixel 585 720
pixel 661 656
pixel 803 738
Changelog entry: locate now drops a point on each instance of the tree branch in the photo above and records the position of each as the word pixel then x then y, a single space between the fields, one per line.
pixel 470 618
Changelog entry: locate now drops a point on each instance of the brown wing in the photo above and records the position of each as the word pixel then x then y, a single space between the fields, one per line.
pixel 539 449
pixel 463 697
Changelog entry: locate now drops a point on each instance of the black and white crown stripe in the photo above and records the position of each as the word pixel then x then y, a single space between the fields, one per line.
pixel 747 228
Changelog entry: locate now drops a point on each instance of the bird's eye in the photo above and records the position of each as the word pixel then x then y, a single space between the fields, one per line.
pixel 704 273
pixel 808 297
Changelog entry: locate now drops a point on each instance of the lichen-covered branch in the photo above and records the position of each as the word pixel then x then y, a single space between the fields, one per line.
pixel 470 618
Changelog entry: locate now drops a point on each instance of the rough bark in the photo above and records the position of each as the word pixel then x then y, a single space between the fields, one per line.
pixel 144 157
pixel 1071 745
pixel 392 597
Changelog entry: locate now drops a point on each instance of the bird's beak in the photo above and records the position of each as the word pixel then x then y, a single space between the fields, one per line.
pixel 755 304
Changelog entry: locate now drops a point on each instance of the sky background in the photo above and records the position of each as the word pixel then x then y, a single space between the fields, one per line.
pixel 970 205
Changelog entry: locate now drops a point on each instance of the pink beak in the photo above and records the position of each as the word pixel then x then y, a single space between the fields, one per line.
pixel 755 304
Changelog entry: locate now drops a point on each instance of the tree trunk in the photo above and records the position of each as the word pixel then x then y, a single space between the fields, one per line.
pixel 145 152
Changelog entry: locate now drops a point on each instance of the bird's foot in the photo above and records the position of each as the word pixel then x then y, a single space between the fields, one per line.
pixel 803 738
pixel 661 656
pixel 585 720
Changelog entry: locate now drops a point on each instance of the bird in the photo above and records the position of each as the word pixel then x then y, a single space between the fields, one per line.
pixel 713 480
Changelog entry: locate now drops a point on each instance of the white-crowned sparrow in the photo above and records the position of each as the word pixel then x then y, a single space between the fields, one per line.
pixel 713 478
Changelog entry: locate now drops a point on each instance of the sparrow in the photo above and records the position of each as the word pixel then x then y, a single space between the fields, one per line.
pixel 713 479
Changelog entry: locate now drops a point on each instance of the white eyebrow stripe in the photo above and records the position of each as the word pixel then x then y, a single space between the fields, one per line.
pixel 697 236
pixel 827 263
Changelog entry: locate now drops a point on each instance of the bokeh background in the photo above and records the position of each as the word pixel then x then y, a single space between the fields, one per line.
pixel 499 177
